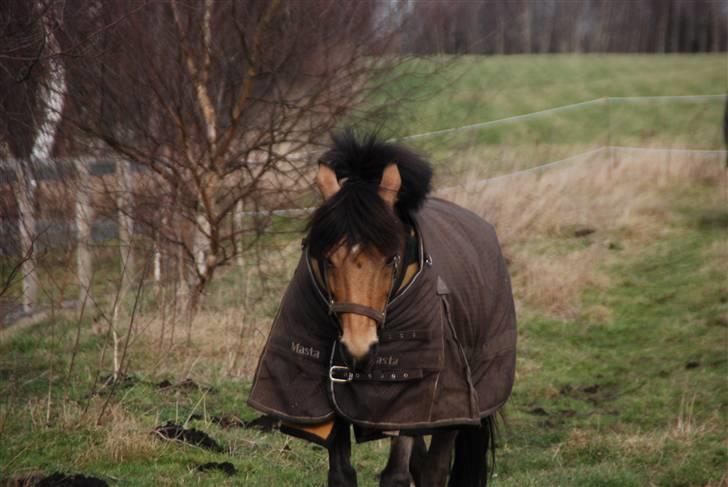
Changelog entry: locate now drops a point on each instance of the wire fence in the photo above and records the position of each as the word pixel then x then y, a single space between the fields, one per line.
pixel 469 157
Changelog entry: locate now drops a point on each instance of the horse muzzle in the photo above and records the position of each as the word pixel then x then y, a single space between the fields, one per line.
pixel 361 359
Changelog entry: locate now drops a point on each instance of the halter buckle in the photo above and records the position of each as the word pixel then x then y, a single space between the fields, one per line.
pixel 336 370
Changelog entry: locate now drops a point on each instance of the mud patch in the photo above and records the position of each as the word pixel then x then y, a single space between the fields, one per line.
pixel 595 394
pixel 538 411
pixel 225 467
pixel 225 422
pixel 264 423
pixel 713 219
pixel 176 432
pixel 583 231
pixel 122 381
pixel 721 321
pixel 185 385
pixel 56 480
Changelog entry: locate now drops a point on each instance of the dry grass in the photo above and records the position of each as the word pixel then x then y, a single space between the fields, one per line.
pixel 620 197
pixel 553 282
pixel 125 439
pixel 226 337
pixel 122 437
pixel 229 340
pixel 681 437
pixel 615 200
pixel 624 191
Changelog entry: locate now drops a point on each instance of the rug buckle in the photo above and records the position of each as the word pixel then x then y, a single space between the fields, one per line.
pixel 334 375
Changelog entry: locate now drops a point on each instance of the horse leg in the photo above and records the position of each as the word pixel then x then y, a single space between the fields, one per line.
pixel 437 463
pixel 341 472
pixel 397 471
pixel 470 465
pixel 417 460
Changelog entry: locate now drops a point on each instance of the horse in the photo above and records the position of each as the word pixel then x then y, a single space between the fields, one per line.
pixel 399 322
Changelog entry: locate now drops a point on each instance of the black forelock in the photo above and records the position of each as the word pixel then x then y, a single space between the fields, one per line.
pixel 357 214
pixel 365 157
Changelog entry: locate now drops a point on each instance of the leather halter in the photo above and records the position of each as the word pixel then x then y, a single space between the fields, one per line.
pixel 335 308
pixel 398 279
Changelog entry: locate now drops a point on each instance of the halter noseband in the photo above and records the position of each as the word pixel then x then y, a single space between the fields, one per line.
pixel 359 309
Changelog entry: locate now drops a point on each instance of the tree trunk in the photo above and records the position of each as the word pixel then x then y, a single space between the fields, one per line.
pixel 25 196
pixel 238 235
pixel 527 27
pixel 125 207
pixel 718 19
pixel 690 34
pixel 51 95
pixel 201 242
pixel 83 229
pixel 664 13
pixel 158 254
pixel 501 49
pixel 126 228
pixel 547 28
pixel 675 31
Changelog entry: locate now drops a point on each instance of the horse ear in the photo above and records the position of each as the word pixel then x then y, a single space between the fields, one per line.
pixel 390 184
pixel 327 182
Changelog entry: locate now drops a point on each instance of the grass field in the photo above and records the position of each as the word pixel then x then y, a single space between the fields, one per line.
pixel 622 331
pixel 473 89
pixel 453 93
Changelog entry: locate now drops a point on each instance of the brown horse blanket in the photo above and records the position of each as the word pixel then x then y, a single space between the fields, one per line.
pixel 447 348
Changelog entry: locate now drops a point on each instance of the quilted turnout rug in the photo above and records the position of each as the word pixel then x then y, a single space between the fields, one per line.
pixel 446 355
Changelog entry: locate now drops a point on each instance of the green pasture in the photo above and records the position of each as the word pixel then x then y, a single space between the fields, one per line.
pixel 638 399
pixel 442 93
pixel 633 395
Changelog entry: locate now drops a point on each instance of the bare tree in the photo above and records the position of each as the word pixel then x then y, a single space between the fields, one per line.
pixel 216 105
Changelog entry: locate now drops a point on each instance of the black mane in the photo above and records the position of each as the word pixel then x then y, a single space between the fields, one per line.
pixel 357 214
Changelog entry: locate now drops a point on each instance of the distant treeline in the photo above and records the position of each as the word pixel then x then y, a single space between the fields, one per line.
pixel 547 26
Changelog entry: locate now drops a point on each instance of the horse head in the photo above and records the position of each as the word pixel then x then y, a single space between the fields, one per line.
pixel 358 234
pixel 359 274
